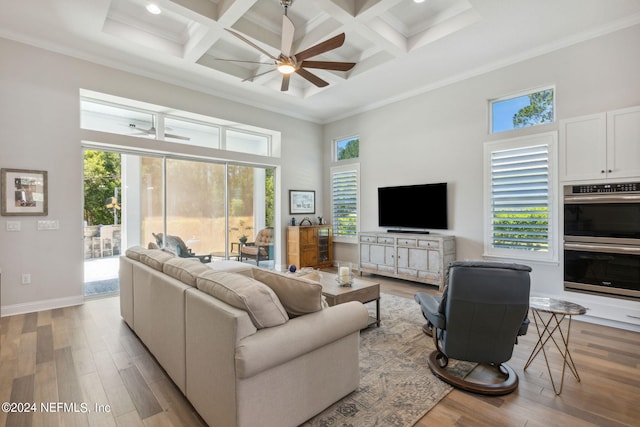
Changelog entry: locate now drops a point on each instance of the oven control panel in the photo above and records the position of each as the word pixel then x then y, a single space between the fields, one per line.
pixel 626 187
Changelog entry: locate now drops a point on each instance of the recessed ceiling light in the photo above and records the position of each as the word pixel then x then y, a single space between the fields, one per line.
pixel 154 9
pixel 418 1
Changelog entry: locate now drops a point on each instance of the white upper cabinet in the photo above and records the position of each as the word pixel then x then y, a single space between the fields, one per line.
pixel 601 146
pixel 623 143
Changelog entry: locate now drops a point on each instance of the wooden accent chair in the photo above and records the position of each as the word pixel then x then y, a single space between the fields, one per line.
pixel 261 249
pixel 483 309
pixel 176 245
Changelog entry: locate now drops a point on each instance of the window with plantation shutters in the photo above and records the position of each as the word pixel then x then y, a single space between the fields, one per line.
pixel 520 204
pixel 345 182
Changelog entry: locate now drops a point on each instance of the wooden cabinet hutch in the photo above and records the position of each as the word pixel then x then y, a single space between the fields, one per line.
pixel 309 246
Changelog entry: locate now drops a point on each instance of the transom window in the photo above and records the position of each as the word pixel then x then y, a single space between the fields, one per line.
pixel 347 148
pixel 522 110
pixel 138 122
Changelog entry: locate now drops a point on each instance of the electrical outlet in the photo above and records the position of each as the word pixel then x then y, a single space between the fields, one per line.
pixel 26 278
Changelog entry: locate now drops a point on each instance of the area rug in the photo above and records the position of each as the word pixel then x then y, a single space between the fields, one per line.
pixel 396 386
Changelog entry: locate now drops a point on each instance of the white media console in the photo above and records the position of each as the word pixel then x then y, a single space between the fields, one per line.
pixel 411 256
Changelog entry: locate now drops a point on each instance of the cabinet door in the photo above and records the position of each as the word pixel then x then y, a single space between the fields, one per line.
pixel 308 236
pixel 411 261
pixel 383 257
pixel 402 258
pixel 365 254
pixel 376 254
pixel 324 246
pixel 583 147
pixel 309 256
pixel 623 143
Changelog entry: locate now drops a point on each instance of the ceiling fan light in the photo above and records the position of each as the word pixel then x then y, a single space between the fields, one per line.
pixel 286 68
pixel 153 9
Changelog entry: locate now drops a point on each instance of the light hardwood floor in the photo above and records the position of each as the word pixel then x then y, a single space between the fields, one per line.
pixel 86 355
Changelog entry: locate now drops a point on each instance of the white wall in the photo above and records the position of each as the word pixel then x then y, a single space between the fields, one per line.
pixel 438 136
pixel 39 129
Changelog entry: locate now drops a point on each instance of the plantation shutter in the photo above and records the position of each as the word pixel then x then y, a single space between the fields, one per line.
pixel 520 206
pixel 344 183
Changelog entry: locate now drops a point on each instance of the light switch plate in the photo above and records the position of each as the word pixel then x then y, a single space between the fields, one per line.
pixel 48 224
pixel 13 225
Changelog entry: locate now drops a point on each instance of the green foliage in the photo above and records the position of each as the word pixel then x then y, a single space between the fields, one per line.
pixel 539 110
pixel 349 151
pixel 270 198
pixel 101 178
pixel 346 225
pixel 526 230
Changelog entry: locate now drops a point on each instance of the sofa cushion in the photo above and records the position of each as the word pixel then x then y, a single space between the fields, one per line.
pixel 231 267
pixel 135 252
pixel 184 269
pixel 257 299
pixel 298 295
pixel 155 258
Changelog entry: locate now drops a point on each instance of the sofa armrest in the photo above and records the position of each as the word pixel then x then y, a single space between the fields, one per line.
pixel 271 347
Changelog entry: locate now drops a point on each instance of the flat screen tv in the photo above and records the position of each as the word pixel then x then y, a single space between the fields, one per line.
pixel 413 206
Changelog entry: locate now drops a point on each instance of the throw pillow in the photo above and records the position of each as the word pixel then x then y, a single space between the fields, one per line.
pixel 298 295
pixel 257 299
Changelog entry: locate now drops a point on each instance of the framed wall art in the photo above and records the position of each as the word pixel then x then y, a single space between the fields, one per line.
pixel 302 202
pixel 24 192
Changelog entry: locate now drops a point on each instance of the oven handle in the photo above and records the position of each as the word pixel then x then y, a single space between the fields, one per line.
pixel 613 249
pixel 605 198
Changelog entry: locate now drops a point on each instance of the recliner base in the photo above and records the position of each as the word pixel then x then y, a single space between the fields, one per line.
pixel 507 386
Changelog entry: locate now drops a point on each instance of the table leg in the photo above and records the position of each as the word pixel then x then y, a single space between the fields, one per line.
pixel 546 332
pixel 378 312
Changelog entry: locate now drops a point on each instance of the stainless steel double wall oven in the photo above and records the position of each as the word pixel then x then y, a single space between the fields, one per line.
pixel 602 239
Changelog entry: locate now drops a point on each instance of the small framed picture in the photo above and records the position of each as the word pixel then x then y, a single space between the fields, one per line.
pixel 24 192
pixel 302 202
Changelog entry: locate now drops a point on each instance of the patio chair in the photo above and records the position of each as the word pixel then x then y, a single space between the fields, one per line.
pixel 176 245
pixel 261 249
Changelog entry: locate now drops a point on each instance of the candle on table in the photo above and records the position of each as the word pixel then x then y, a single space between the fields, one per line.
pixel 343 272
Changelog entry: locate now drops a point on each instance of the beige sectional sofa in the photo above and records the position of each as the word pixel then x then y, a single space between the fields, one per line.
pixel 246 346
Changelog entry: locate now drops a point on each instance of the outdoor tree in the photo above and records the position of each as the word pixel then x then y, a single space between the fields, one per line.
pixel 539 110
pixel 101 179
pixel 350 151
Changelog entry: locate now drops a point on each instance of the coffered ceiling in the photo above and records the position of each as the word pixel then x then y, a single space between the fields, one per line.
pixel 400 47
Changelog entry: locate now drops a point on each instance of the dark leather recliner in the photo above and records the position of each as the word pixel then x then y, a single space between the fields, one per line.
pixel 484 308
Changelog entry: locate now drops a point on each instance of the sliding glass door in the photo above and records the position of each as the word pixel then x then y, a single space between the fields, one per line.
pixel 204 208
pixel 195 213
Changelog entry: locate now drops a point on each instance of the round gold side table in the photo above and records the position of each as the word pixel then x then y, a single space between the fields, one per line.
pixel 550 329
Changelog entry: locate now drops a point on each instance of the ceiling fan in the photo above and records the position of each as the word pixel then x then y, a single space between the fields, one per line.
pixel 152 131
pixel 287 64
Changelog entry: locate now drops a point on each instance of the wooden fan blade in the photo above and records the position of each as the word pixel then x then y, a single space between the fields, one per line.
pixel 325 65
pixel 325 46
pixel 250 43
pixel 288 29
pixel 312 77
pixel 184 138
pixel 258 75
pixel 240 60
pixel 285 82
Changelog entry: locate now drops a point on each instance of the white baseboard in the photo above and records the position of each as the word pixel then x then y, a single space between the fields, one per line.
pixel 30 307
